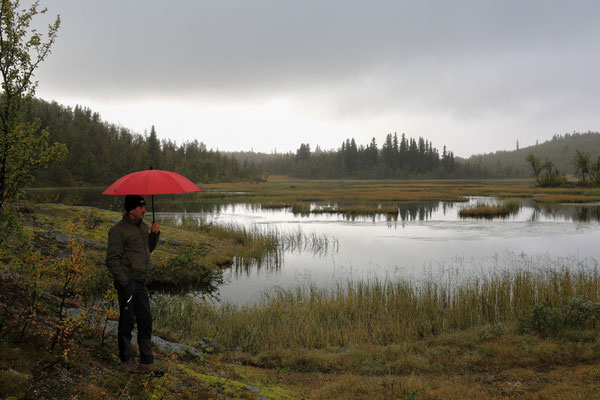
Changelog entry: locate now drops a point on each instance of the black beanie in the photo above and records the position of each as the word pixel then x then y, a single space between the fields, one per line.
pixel 132 201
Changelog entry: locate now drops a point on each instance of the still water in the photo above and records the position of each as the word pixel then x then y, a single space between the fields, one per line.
pixel 427 239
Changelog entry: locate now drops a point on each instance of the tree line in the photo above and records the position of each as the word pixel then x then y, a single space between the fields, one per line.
pixel 100 152
pixel 398 157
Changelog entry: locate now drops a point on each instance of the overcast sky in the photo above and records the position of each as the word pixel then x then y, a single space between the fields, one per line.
pixel 269 75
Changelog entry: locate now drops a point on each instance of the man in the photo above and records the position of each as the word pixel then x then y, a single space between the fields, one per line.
pixel 128 259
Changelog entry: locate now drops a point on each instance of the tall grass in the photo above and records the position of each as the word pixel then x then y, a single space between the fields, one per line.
pixel 376 312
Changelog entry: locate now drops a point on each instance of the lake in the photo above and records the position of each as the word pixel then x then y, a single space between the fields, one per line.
pixel 428 239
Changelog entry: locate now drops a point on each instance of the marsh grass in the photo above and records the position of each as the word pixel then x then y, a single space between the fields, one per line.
pixel 282 192
pixel 377 312
pixel 567 198
pixel 482 210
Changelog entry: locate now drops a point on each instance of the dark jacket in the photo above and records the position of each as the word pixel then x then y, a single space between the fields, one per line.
pixel 128 253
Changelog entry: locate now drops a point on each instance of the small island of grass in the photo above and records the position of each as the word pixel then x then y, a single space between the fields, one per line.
pixel 481 210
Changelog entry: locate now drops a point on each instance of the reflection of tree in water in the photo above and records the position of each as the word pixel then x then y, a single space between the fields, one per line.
pixel 562 212
pixel 413 211
pixel 418 211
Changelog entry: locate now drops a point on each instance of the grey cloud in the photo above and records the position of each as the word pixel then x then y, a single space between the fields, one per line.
pixel 240 45
pixel 474 60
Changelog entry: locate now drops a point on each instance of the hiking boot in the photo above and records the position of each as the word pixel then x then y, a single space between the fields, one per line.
pixel 128 366
pixel 150 369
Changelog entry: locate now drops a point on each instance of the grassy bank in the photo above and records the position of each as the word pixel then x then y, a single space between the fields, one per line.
pixel 528 333
pixel 54 262
pixel 189 254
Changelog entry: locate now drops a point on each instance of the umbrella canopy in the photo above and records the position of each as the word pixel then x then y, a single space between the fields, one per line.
pixel 151 182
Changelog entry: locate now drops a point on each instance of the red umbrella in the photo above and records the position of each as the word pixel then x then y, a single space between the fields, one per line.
pixel 151 182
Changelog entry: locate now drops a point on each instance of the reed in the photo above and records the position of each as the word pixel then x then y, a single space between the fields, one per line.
pixel 313 243
pixel 377 312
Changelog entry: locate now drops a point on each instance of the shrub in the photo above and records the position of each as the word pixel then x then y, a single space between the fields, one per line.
pixel 185 268
pixel 13 383
pixel 576 314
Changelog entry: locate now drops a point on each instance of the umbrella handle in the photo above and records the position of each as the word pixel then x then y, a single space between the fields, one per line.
pixel 153 219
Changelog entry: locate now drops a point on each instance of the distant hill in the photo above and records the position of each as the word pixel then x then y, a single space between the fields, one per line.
pixel 512 164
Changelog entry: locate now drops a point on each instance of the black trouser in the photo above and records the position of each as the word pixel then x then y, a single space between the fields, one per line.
pixel 136 310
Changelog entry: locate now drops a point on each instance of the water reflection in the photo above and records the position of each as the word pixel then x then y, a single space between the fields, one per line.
pixel 422 238
pixel 421 211
pixel 578 213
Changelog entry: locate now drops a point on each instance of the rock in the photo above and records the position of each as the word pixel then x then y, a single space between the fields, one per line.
pixel 210 346
pixel 256 392
pixel 162 344
pixel 64 240
pixel 171 241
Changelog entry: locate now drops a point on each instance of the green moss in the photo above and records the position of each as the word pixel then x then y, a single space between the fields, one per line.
pixel 246 386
